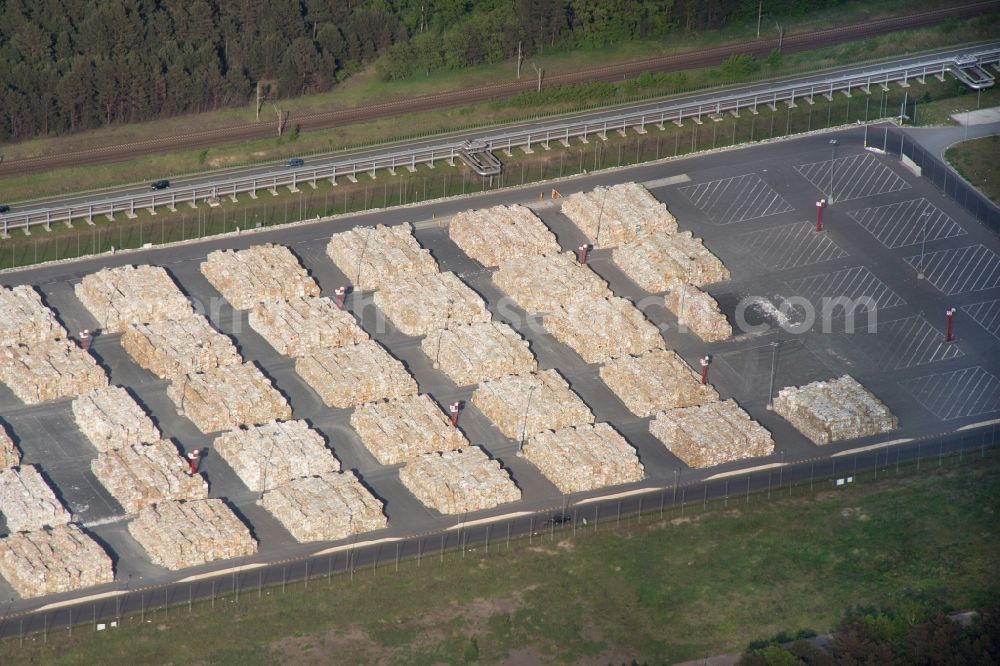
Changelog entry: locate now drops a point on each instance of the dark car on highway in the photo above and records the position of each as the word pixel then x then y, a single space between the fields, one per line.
pixel 159 185
pixel 4 208
pixel 295 162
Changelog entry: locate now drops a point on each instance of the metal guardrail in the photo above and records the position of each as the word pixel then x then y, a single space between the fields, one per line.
pixel 803 89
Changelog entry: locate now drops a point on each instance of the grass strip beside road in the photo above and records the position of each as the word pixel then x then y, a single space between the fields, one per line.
pixel 977 161
pixel 654 590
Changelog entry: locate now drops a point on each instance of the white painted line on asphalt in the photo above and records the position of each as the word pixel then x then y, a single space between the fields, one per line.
pixel 105 521
pixel 627 493
pixel 432 223
pixel 213 574
pixel 872 447
pixel 79 600
pixel 349 546
pixel 739 472
pixel 978 425
pixel 483 521
pixel 669 180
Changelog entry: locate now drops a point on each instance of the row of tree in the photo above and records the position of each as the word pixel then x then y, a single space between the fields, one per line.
pixel 67 65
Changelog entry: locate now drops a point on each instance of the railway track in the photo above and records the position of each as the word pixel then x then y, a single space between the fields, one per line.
pixel 689 60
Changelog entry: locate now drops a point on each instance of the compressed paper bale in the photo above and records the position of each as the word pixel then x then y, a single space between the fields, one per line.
pixel 325 508
pixel 258 273
pixel 835 409
pixel 473 353
pixel 424 303
pixel 711 434
pixel 53 560
pixel 542 284
pixel 522 405
pixel 27 502
pixel 699 312
pixel 127 295
pixel 269 455
pixel 401 429
pixel 178 347
pixel 142 474
pixel 453 482
pixel 601 329
pixel 24 318
pixel 176 535
pixel 355 374
pixel 493 235
pixel 111 419
pixel 656 262
pixel 584 458
pixel 49 370
pixel 9 455
pixel 301 325
pixel 228 397
pixel 371 257
pixel 655 381
pixel 610 216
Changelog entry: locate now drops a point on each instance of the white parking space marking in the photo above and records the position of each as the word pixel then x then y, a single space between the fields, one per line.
pixel 858 284
pixel 986 314
pixel 956 394
pixel 791 246
pixel 736 199
pixel 852 177
pixel 906 223
pixel 909 342
pixel 960 270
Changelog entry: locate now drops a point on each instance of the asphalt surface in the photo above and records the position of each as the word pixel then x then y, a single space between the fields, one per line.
pixel 753 206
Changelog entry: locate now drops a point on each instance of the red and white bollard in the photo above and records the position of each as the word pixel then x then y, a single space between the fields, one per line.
pixel 705 360
pixel 338 297
pixel 820 205
pixel 581 253
pixel 194 459
pixel 949 333
pixel 453 412
pixel 85 339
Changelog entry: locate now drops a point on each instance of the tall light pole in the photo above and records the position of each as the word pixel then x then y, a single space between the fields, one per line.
pixel 600 216
pixel 774 363
pixel 524 424
pixel 833 156
pixel 923 242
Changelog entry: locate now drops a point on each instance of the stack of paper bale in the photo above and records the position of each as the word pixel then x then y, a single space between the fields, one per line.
pixel 424 303
pixel 584 458
pixel 371 257
pixel 610 216
pixel 522 405
pixel 9 455
pixel 325 508
pixel 351 375
pixel 711 434
pixel 111 419
pixel 835 409
pixel 49 561
pixel 258 273
pixel 494 235
pixel 24 319
pixel 542 284
pixel 266 456
pixel 143 474
pixel 656 262
pixel 600 329
pixel 127 295
pixel 699 312
pixel 178 347
pixel 454 482
pixel 655 381
pixel 302 325
pixel 49 370
pixel 397 430
pixel 477 352
pixel 27 502
pixel 177 535
pixel 228 397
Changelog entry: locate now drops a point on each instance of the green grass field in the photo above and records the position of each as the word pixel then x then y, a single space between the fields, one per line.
pixel 977 161
pixel 657 590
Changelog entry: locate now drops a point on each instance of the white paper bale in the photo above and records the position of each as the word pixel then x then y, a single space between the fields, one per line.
pixel 428 302
pixel 24 319
pixel 258 273
pixel 53 560
pixel 602 329
pixel 584 458
pixel 27 502
pixel 542 284
pixel 398 430
pixel 699 312
pixel 455 482
pixel 49 370
pixel 371 257
pixel 655 381
pixel 523 405
pixel 177 535
pixel 127 295
pixel 712 434
pixel 144 474
pixel 228 397
pixel 473 353
pixel 111 419
pixel 9 455
pixel 302 325
pixel 835 409
pixel 325 508
pixel 493 235
pixel 610 216
pixel 269 455
pixel 355 374
pixel 656 261
pixel 178 347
